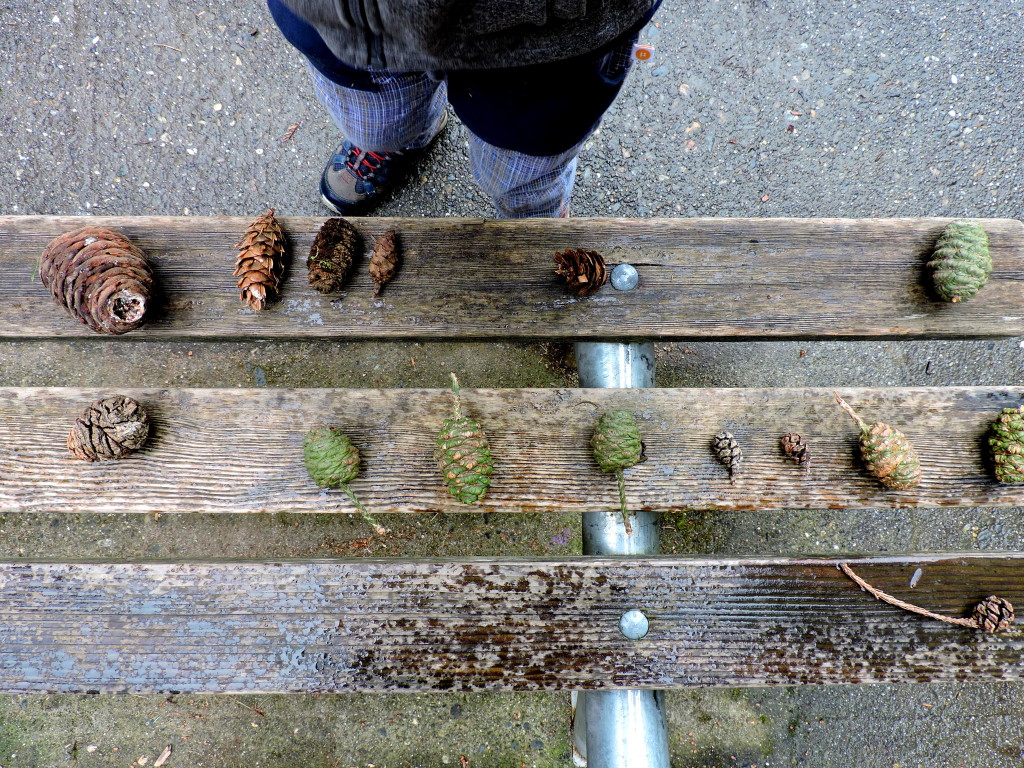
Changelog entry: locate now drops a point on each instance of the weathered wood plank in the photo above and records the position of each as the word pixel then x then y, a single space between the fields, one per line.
pixel 483 624
pixel 476 278
pixel 235 450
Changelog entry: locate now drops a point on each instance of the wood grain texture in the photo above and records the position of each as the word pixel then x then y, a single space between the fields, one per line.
pixel 240 450
pixel 477 278
pixel 374 625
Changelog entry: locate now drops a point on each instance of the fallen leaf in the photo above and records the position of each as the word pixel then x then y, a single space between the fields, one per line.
pixel 291 131
pixel 163 756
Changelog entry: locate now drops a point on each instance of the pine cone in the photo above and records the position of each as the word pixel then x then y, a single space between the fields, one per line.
pixel 728 451
pixel 260 262
pixel 617 445
pixel 332 254
pixel 961 263
pixel 331 459
pixel 886 452
pixel 385 260
pixel 1006 441
pixel 585 271
pixel 794 446
pixel 993 614
pixel 99 277
pixel 463 454
pixel 109 429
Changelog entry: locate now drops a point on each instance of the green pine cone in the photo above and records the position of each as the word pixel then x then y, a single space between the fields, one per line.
pixel 331 459
pixel 616 441
pixel 464 455
pixel 889 456
pixel 1007 443
pixel 961 263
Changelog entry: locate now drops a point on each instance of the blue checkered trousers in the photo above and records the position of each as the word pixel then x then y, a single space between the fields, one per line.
pixel 526 125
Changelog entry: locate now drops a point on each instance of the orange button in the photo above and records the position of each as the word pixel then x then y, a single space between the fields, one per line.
pixel 643 52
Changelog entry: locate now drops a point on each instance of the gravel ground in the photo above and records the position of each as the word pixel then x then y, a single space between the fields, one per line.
pixel 749 108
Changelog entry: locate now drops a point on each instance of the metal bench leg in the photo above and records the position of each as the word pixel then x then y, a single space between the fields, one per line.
pixel 616 729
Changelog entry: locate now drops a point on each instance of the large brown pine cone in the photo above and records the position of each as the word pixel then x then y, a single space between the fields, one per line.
pixel 584 271
pixel 100 277
pixel 260 262
pixel 109 429
pixel 385 260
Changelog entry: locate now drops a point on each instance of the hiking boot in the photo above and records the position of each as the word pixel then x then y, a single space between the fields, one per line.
pixel 355 179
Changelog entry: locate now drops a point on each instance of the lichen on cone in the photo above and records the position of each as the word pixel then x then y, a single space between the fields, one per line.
pixel 617 445
pixel 110 428
pixel 584 271
pixel 1006 441
pixel 260 262
pixel 886 452
pixel 961 264
pixel 332 461
pixel 331 255
pixel 385 260
pixel 463 454
pixel 100 277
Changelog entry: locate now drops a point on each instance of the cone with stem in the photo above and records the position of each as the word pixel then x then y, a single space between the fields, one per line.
pixel 463 454
pixel 332 461
pixel 886 452
pixel 617 445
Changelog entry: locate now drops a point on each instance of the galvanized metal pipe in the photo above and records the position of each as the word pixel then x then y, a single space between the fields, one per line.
pixel 616 729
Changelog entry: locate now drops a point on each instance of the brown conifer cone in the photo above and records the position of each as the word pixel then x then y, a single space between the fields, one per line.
pixel 331 255
pixel 260 262
pixel 584 271
pixel 109 429
pixel 385 260
pixel 100 277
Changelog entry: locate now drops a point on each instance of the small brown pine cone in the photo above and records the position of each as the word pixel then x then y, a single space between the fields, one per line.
pixel 794 446
pixel 728 451
pixel 260 262
pixel 332 254
pixel 100 277
pixel 993 614
pixel 584 271
pixel 109 429
pixel 385 260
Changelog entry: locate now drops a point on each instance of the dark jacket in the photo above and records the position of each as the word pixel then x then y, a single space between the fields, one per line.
pixel 423 35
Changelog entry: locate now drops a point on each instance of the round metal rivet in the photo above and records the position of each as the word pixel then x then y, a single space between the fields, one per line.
pixel 625 277
pixel 634 624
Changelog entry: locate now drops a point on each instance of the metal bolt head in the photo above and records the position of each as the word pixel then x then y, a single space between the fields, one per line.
pixel 634 624
pixel 625 277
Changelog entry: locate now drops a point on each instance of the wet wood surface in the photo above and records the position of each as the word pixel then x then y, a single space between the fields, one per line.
pixel 240 450
pixel 372 625
pixel 478 278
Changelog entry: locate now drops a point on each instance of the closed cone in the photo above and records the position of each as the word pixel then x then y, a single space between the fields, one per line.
pixel 795 447
pixel 886 452
pixel 1006 440
pixel 385 260
pixel 463 454
pixel 331 255
pixel 961 263
pixel 728 452
pixel 110 428
pixel 332 461
pixel 260 263
pixel 617 445
pixel 100 277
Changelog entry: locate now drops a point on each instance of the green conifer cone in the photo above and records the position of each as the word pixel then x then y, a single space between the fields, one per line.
pixel 886 452
pixel 332 461
pixel 463 454
pixel 1007 443
pixel 617 445
pixel 961 264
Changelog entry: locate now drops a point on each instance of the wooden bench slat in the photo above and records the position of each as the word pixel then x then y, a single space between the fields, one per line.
pixel 373 625
pixel 479 279
pixel 240 450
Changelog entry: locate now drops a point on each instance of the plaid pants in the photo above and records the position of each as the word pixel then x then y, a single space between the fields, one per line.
pixel 407 110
